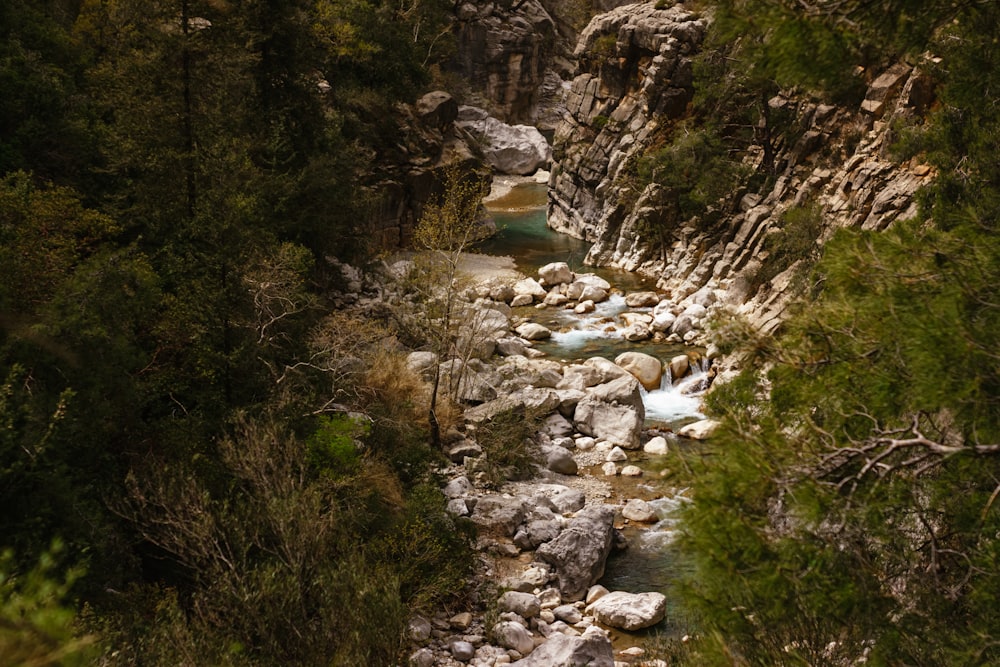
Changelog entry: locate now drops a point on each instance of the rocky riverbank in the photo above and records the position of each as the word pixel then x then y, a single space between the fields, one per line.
pixel 545 530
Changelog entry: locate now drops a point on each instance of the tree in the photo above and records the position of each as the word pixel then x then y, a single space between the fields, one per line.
pixel 446 230
pixel 847 508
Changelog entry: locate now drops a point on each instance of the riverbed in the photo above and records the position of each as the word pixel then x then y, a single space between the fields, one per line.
pixel 519 209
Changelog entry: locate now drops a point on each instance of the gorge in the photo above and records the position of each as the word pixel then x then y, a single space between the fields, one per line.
pixel 709 378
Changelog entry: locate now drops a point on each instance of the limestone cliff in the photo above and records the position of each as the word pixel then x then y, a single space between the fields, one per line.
pixel 632 87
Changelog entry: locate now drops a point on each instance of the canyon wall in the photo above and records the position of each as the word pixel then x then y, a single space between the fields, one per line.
pixel 630 94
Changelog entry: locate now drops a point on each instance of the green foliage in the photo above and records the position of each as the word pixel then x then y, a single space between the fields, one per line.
pixel 431 555
pixel 794 240
pixel 333 446
pixel 37 618
pixel 695 170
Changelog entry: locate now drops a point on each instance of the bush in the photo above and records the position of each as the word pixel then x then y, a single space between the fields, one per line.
pixel 506 443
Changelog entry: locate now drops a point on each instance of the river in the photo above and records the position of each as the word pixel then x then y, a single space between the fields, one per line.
pixel 648 564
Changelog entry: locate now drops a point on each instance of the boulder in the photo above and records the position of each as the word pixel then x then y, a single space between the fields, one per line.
pixel 509 347
pixel 524 605
pixel 593 293
pixel 631 471
pixel 612 411
pixel 656 446
pixel 637 332
pixel 584 307
pixel 557 426
pixel 619 424
pixel 616 454
pixel 580 376
pixel 422 362
pixel 646 368
pixel 556 273
pixel 679 367
pixel 529 287
pixel 580 551
pixel 559 460
pixel 642 299
pixel 521 300
pixel 639 510
pixel 500 515
pixel 629 611
pixel 437 109
pixel 513 636
pixel 592 648
pixel 699 430
pixel 510 149
pixel 607 369
pixel 563 498
pixel 537 401
pixel 533 331
pixel 458 487
pixel 555 298
pixel 463 651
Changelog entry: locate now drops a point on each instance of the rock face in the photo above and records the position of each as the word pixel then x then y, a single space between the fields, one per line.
pixel 410 174
pixel 504 54
pixel 632 85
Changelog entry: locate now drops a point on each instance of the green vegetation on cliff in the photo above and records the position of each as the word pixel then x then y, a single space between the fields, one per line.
pixel 847 508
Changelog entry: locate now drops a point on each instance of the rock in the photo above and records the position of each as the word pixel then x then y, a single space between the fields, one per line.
pixel 609 469
pixel 556 273
pixel 458 487
pixel 592 293
pixel 699 430
pixel 636 333
pixel 510 347
pixel 568 613
pixel 437 109
pixel 580 376
pixel 607 369
pixel 498 514
pixel 612 411
pixel 563 498
pixel 510 149
pixel 457 507
pixel 663 320
pixel 639 510
pixel 629 611
pixel 555 425
pixel 616 454
pixel 422 362
pixel 631 471
pixel 513 636
pixel 555 298
pixel 646 368
pixel 585 443
pixel 422 658
pixel 679 367
pixel 521 300
pixel 580 551
pixel 560 461
pixel 642 299
pixel 529 287
pixel 533 331
pixel 591 649
pixel 458 452
pixel 419 629
pixel 537 401
pixel 463 651
pixel 656 445
pixel 524 605
pixel 595 593
pixel 461 620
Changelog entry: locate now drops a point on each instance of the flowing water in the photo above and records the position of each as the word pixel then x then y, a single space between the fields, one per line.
pixel 648 564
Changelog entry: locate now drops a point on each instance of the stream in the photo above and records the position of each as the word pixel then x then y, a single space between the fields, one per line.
pixel 647 565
